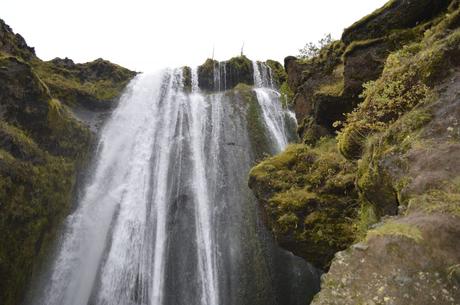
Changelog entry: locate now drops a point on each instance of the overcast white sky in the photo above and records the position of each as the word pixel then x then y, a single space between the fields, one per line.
pixel 149 34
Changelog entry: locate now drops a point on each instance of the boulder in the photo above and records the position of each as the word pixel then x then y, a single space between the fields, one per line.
pixel 309 200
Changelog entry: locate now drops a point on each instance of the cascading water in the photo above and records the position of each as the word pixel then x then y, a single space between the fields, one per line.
pixel 275 117
pixel 167 217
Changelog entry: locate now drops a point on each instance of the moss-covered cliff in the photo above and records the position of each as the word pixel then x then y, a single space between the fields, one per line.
pixel 42 148
pixel 396 76
pixel 224 75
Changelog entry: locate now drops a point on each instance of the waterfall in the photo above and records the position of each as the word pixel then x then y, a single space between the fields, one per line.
pixel 167 217
pixel 269 100
pixel 220 76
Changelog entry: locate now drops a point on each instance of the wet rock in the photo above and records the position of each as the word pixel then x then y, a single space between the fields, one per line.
pixel 219 76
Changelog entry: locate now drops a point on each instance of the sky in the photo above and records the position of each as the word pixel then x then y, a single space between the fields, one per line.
pixel 145 35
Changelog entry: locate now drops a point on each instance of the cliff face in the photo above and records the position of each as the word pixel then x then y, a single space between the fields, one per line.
pixel 42 147
pixel 386 201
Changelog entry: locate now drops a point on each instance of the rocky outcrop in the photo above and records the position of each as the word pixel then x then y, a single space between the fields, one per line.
pixel 42 148
pixel 225 75
pixel 14 44
pixel 219 76
pixel 330 84
pixel 93 85
pixel 309 200
pixel 395 15
pixel 400 217
pixel 409 261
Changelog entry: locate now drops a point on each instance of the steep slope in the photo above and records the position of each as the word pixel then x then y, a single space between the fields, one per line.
pixel 42 147
pixel 400 149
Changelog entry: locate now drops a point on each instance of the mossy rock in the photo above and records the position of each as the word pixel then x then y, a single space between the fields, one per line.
pixel 42 149
pixel 14 44
pixel 394 15
pixel 93 85
pixel 309 199
pixel 187 78
pixel 206 74
pixel 407 81
pixel 352 140
pixel 311 132
pixel 279 75
pixel 36 192
pixel 239 70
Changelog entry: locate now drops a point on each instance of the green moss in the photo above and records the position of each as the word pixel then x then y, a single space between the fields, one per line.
pixel 371 16
pixel 333 89
pixel 366 218
pixel 406 82
pixel 240 63
pixel 72 139
pixel 328 59
pixel 35 194
pixel 396 229
pixel 293 200
pixel 311 131
pixel 42 146
pixel 14 44
pixel 278 73
pixel 437 201
pixel 375 183
pixel 287 96
pixel 260 140
pixel 361 44
pixel 309 196
pixel 94 84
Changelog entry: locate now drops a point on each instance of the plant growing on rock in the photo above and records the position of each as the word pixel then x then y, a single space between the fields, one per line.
pixel 312 49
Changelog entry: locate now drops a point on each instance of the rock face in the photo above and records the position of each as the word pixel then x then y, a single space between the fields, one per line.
pixel 42 148
pixel 225 75
pixel 14 44
pixel 396 75
pixel 330 84
pixel 309 200
pixel 93 85
pixel 219 76
pixel 395 15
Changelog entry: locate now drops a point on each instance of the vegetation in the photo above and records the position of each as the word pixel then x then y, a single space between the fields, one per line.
pixel 310 200
pixel 312 49
pixel 95 84
pixel 42 149
pixel 407 80
pixel 397 229
pixel 400 144
pixel 287 96
pixel 278 74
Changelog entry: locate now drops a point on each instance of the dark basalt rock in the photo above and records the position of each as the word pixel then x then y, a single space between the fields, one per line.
pixel 395 15
pixel 187 76
pixel 278 73
pixel 23 98
pixel 206 75
pixel 218 76
pixel 294 72
pixel 239 70
pixel 364 63
pixel 14 44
